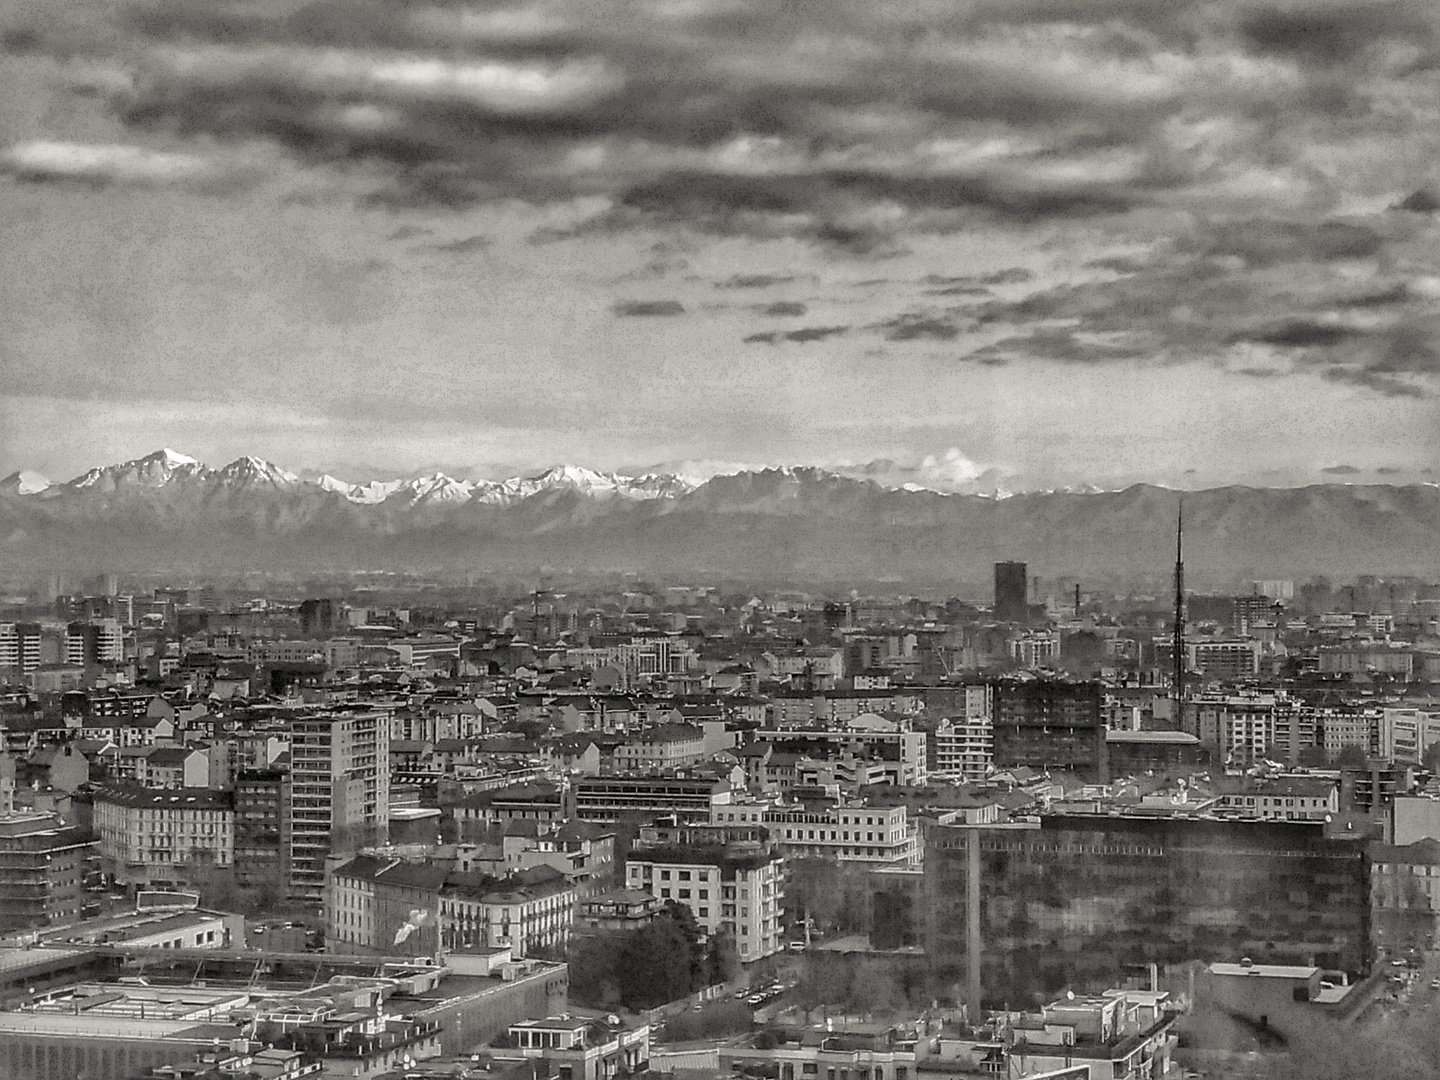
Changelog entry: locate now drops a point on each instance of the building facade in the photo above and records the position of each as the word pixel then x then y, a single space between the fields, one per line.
pixel 339 790
pixel 1073 898
pixel 152 837
pixel 737 894
pixel 42 870
pixel 862 834
pixel 963 750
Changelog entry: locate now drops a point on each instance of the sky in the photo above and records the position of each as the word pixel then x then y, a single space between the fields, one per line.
pixel 984 245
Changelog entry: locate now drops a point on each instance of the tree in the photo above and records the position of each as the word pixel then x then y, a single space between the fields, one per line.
pixel 1351 757
pixel 1431 758
pixel 722 960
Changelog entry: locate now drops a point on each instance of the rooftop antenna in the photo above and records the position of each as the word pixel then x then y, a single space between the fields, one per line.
pixel 1179 642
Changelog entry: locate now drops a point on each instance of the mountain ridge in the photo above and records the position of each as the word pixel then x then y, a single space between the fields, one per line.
pixel 168 509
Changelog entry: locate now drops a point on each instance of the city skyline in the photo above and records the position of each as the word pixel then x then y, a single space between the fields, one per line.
pixel 999 247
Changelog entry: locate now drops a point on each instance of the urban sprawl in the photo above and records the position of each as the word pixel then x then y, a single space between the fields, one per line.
pixel 386 828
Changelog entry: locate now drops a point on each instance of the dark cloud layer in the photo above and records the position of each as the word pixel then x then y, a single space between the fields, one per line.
pixel 803 336
pixel 463 104
pixel 647 308
pixel 1224 148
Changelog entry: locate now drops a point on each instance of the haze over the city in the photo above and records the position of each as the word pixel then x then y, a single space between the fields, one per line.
pixel 973 247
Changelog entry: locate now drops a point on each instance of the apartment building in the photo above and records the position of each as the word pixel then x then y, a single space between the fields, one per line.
pixel 152 837
pixel 262 830
pixel 859 833
pixel 1079 896
pixel 378 903
pixel 963 750
pixel 339 790
pixel 100 641
pixel 661 748
pixel 42 870
pixel 1406 733
pixel 1285 798
pixel 900 751
pixel 19 648
pixel 608 798
pixel 727 891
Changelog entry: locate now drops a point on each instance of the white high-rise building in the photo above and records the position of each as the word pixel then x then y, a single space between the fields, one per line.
pixel 339 791
pixel 20 647
pixel 964 749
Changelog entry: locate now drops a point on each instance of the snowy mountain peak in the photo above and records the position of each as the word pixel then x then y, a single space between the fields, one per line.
pixel 438 488
pixel 368 493
pixel 153 470
pixel 256 470
pixel 26 483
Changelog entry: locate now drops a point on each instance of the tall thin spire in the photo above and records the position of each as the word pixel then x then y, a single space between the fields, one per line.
pixel 1179 642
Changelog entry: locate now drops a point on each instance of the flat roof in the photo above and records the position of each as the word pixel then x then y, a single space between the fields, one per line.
pixel 1178 738
pixel 1265 971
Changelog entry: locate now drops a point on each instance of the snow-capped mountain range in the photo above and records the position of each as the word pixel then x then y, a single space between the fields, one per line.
pixel 166 467
pixel 169 511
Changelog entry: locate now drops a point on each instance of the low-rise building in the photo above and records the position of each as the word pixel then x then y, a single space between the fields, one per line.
pixel 579 1048
pixel 376 904
pixel 1284 798
pixel 660 748
pixel 617 912
pixel 856 833
pixel 608 798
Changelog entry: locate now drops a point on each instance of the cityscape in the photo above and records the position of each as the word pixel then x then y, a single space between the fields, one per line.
pixel 719 540
pixel 422 826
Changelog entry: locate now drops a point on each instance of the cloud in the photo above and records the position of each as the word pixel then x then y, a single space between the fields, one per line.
pixel 466 245
pixel 44 160
pixel 912 327
pixel 1013 276
pixel 952 468
pixel 1369 380
pixel 648 308
pixel 1266 242
pixel 1301 333
pixel 1340 470
pixel 1063 346
pixel 1420 202
pixel 849 128
pixel 784 307
pixel 803 336
pixel 949 471
pixel 1120 264
pixel 754 281
pixel 1332 33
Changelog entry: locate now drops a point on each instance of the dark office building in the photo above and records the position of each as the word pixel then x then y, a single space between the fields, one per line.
pixel 317 617
pixel 262 831
pixel 1012 590
pixel 1047 723
pixel 1075 899
pixel 42 871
